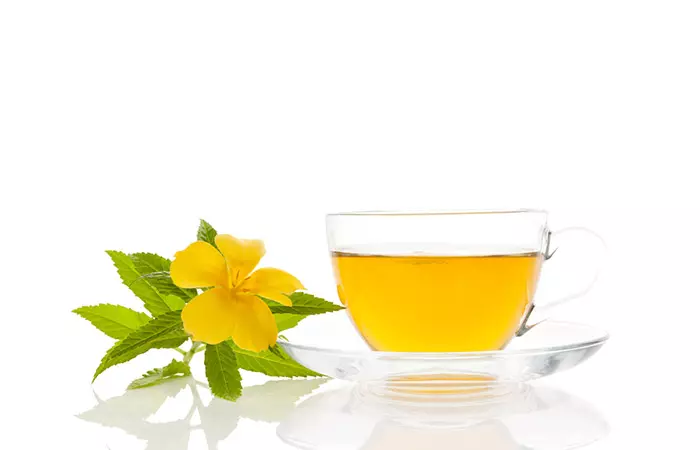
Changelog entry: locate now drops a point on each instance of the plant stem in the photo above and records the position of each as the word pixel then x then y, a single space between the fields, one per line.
pixel 191 352
pixel 180 351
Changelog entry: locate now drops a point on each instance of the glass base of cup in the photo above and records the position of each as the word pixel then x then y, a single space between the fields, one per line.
pixel 439 389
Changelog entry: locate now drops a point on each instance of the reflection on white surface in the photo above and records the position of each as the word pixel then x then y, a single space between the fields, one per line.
pixel 147 414
pixel 531 418
pixel 338 417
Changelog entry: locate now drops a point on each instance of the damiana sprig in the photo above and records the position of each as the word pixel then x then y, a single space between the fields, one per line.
pixel 232 311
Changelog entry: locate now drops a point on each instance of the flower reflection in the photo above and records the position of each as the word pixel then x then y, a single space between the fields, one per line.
pixel 134 412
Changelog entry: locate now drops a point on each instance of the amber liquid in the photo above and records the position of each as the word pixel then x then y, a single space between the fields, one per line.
pixel 436 303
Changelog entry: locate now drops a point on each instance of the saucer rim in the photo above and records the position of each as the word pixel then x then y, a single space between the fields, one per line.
pixel 604 336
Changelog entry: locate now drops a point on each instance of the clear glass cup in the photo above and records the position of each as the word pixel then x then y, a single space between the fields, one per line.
pixel 444 281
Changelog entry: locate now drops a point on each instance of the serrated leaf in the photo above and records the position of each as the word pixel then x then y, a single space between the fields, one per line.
pixel 149 262
pixel 162 282
pixel 152 299
pixel 176 369
pixel 222 371
pixel 174 302
pixel 171 342
pixel 274 364
pixel 164 331
pixel 156 270
pixel 303 304
pixel 287 321
pixel 115 321
pixel 206 232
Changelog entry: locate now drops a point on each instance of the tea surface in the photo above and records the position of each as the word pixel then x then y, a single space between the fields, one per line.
pixel 436 303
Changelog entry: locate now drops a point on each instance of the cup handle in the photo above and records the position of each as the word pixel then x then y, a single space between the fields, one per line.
pixel 552 247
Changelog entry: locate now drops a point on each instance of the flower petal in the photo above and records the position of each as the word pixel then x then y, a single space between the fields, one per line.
pixel 242 255
pixel 199 265
pixel 272 283
pixel 254 328
pixel 210 316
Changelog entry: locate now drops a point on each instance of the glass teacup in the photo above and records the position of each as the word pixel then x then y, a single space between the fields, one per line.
pixel 441 281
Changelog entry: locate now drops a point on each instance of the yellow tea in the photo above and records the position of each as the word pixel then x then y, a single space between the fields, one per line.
pixel 433 303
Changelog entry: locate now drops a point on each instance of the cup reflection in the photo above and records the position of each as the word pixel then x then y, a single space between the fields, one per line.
pixel 530 418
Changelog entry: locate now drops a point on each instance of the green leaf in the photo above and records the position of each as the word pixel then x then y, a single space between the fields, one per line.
pixel 206 232
pixel 287 321
pixel 173 341
pixel 152 299
pixel 176 369
pixel 113 320
pixel 174 302
pixel 222 371
pixel 156 270
pixel 274 364
pixel 149 262
pixel 304 304
pixel 164 331
pixel 162 282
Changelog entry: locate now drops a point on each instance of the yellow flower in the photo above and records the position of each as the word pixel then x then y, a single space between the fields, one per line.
pixel 232 307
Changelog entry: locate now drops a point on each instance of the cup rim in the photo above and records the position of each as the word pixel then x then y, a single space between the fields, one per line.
pixel 438 212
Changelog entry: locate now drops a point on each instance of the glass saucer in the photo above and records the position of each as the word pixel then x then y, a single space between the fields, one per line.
pixel 548 348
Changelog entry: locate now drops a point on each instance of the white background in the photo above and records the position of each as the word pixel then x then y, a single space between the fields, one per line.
pixel 122 123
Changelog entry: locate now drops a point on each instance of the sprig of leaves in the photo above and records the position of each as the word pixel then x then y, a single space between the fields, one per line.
pixel 147 275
